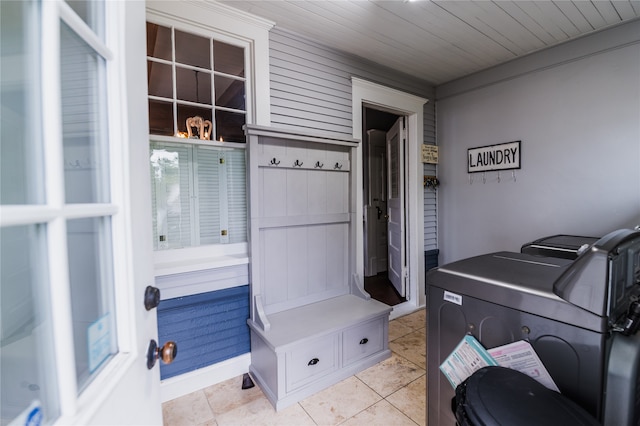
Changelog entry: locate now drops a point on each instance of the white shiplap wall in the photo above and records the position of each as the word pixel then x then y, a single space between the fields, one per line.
pixel 311 90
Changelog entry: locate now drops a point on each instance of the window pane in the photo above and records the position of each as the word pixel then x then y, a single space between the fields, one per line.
pixel 21 179
pixel 84 121
pixel 161 118
pixel 229 126
pixel 160 79
pixel 27 363
pixel 91 279
pixel 91 12
pixel 159 41
pixel 193 50
pixel 228 59
pixel 171 201
pixel 209 195
pixel 193 85
pixel 229 93
pixel 185 112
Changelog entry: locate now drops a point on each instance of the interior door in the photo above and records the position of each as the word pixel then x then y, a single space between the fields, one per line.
pixel 376 208
pixel 75 212
pixel 395 206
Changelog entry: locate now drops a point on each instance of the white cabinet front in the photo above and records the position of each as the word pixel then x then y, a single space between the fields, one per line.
pixel 311 360
pixel 363 340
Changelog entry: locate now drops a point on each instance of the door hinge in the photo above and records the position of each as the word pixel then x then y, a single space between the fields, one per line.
pixel 405 272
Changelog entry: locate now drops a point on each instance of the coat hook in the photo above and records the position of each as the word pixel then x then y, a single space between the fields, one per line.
pixel 513 174
pixel 470 179
pixel 484 178
pixel 498 177
pixel 318 165
pixel 298 163
pixel 274 162
pixel 338 166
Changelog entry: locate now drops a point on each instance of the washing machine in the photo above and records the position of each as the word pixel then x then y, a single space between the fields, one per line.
pixel 580 315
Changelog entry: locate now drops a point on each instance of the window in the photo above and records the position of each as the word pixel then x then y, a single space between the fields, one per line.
pixel 199 195
pixel 199 88
pixel 192 76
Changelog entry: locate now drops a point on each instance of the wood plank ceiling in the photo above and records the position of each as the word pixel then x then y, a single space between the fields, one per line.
pixel 439 41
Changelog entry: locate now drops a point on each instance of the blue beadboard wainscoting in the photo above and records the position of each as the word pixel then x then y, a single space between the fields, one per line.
pixel 208 328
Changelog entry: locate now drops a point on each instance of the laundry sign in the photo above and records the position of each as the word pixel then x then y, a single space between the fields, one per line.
pixel 504 156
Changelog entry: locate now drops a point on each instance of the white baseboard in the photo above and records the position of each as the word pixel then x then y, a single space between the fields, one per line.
pixel 192 381
pixel 403 309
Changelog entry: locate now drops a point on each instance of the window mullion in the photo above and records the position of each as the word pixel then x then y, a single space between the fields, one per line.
pixel 60 300
pixel 224 202
pixel 194 196
pixel 173 81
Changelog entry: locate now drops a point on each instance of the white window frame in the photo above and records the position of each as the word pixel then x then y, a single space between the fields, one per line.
pixel 228 25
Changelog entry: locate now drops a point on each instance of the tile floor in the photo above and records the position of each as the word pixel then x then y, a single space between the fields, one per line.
pixel 392 392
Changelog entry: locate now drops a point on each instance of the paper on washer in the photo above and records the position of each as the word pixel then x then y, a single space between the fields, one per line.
pixel 468 357
pixel 521 356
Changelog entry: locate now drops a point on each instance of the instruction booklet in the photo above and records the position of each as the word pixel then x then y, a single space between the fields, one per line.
pixel 470 356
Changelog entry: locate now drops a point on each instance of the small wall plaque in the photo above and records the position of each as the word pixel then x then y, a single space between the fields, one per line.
pixel 430 154
pixel 505 156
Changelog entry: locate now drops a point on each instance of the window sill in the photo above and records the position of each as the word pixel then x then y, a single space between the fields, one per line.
pixel 192 259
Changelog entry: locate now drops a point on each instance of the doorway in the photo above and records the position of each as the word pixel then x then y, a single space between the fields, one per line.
pixel 381 279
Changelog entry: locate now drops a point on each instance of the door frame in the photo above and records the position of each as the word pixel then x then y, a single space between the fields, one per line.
pixel 372 95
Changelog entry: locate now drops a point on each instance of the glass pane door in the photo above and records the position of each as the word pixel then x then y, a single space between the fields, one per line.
pixel 56 251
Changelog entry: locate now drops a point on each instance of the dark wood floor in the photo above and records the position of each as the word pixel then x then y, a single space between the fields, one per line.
pixel 380 288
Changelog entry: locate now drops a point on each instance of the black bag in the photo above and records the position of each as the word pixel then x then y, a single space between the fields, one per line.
pixel 498 396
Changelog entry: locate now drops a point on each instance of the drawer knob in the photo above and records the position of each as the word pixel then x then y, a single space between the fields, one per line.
pixel 314 361
pixel 364 341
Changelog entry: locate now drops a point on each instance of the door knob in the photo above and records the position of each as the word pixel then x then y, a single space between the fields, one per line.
pixel 167 353
pixel 151 297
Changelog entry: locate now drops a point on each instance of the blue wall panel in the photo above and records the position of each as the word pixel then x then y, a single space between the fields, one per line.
pixel 208 328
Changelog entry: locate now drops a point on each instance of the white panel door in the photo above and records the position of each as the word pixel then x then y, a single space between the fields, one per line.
pixel 75 216
pixel 395 206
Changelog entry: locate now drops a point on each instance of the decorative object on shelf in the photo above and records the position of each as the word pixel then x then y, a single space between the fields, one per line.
pixel 198 128
pixel 207 129
pixel 431 182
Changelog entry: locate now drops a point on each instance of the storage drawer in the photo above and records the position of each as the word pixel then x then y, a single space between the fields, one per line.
pixel 363 340
pixel 311 360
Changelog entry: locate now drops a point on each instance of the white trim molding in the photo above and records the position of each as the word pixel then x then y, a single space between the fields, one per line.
pixel 387 99
pixel 192 381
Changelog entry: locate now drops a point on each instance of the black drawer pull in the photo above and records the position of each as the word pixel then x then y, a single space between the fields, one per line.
pixel 314 361
pixel 364 341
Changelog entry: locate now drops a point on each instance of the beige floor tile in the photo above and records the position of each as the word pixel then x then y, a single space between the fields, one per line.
pixel 188 410
pixel 380 414
pixel 398 329
pixel 413 347
pixel 227 395
pixel 415 320
pixel 390 375
pixel 412 400
pixel 260 412
pixel 341 401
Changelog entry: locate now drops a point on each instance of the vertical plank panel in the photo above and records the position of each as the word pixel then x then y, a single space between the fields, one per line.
pixel 297 257
pixel 274 261
pixel 317 259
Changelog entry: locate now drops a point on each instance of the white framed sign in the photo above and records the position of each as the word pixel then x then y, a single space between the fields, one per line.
pixel 504 156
